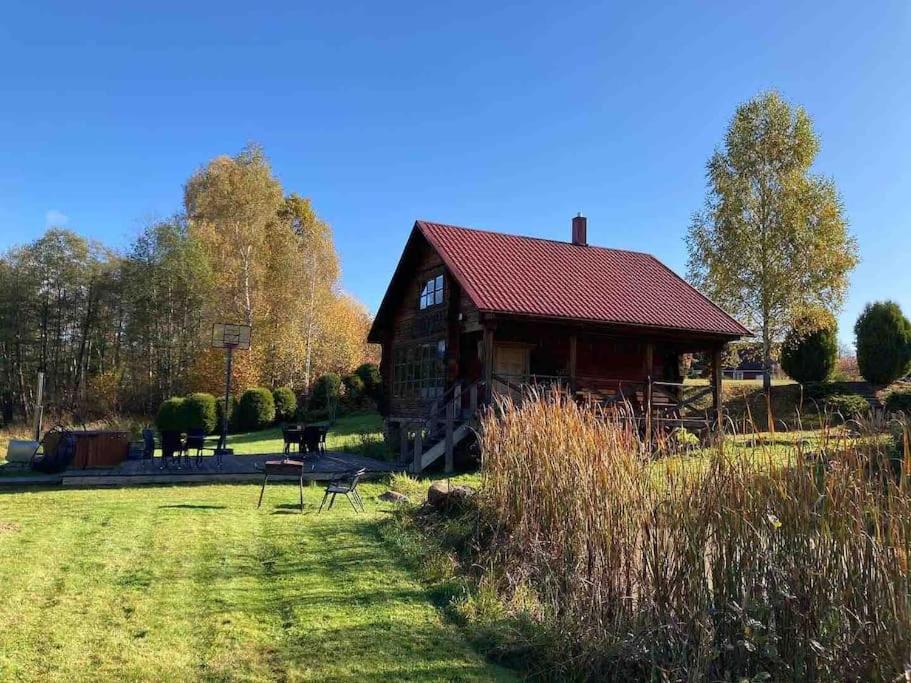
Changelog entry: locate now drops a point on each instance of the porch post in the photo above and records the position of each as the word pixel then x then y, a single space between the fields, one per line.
pixel 418 448
pixel 717 391
pixel 487 362
pixel 649 365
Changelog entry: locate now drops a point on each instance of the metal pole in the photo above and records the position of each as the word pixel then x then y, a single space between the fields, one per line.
pixel 223 442
pixel 39 407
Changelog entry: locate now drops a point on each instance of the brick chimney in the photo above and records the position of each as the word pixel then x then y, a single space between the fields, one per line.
pixel 580 230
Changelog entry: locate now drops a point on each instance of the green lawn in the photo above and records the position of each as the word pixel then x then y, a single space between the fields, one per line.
pixel 195 583
pixel 349 433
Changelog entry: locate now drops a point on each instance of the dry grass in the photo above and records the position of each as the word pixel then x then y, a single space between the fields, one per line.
pixel 726 572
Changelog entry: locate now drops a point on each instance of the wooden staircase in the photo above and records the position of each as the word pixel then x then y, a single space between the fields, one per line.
pixel 448 422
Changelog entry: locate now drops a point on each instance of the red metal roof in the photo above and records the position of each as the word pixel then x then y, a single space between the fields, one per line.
pixel 516 275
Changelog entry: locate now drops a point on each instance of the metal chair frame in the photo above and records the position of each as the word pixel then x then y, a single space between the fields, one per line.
pixel 345 484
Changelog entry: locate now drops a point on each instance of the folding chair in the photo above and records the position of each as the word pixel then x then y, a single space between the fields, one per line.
pixel 345 484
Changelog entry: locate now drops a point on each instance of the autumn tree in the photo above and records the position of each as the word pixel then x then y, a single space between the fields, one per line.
pixel 232 204
pixel 52 320
pixel 772 240
pixel 319 273
pixel 167 282
pixel 124 331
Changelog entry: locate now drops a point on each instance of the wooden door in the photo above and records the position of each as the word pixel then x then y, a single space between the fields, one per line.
pixel 510 365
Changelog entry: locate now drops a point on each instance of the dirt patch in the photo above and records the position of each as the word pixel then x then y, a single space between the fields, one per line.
pixel 9 527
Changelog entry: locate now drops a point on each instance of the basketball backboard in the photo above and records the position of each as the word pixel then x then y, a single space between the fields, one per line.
pixel 230 336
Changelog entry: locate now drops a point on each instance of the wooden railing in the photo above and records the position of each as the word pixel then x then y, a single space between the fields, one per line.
pixel 446 413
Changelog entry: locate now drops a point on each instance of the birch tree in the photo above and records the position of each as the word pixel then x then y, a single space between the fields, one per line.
pixel 772 240
pixel 232 203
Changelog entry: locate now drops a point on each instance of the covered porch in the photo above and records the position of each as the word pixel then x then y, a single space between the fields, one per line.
pixel 636 370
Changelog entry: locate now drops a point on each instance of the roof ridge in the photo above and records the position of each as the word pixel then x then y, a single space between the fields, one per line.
pixel 488 231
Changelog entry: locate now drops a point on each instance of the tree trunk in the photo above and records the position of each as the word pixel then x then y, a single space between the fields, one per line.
pixel 310 315
pixel 766 358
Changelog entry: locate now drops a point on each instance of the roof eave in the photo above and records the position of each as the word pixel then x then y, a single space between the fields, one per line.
pixel 721 334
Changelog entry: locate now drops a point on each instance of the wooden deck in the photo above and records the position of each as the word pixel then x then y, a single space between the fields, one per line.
pixel 234 468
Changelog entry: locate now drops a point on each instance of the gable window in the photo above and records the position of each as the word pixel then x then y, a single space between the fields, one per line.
pixel 432 294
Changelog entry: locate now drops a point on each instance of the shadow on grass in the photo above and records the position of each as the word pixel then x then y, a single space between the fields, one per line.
pixel 190 506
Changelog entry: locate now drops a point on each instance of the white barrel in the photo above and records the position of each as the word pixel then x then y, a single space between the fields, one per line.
pixel 20 450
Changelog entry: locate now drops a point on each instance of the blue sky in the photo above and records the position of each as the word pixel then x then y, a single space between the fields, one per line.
pixel 511 116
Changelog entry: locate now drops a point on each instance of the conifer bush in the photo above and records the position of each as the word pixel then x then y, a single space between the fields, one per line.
pixel 171 415
pixel 326 391
pixel 883 342
pixel 200 412
pixel 810 350
pixel 285 403
pixel 899 401
pixel 255 410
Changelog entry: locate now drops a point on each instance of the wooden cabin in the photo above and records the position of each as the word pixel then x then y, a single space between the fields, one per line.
pixel 471 313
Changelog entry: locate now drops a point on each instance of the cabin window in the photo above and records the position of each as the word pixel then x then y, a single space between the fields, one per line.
pixel 418 370
pixel 432 294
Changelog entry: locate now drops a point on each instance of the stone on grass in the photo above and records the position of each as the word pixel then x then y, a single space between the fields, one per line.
pixel 442 495
pixel 394 497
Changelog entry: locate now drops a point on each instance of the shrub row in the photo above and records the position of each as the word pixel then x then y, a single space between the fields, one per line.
pixel 883 340
pixel 259 407
pixel 196 411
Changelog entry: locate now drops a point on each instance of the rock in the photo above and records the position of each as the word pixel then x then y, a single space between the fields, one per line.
pixel 442 495
pixel 394 497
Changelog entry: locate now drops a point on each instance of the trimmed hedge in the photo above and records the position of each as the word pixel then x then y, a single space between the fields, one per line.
pixel 326 391
pixel 370 376
pixel 354 386
pixel 810 356
pixel 899 401
pixel 171 416
pixel 846 406
pixel 200 412
pixel 220 414
pixel 285 403
pixel 256 409
pixel 883 342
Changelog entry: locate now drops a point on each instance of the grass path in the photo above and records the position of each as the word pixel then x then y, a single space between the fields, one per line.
pixel 195 583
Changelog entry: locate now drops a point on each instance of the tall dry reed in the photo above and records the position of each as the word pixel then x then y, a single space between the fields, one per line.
pixel 721 569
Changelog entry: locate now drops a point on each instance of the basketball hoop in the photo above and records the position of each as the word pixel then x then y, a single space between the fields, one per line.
pixel 228 336
pixel 231 336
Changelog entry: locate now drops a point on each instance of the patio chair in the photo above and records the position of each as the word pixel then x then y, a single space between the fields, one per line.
pixel 171 448
pixel 345 484
pixel 196 441
pixel 283 467
pixel 148 446
pixel 313 439
pixel 291 436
